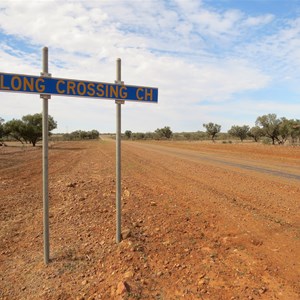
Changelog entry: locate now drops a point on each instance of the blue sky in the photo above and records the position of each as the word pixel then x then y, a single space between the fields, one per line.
pixel 225 61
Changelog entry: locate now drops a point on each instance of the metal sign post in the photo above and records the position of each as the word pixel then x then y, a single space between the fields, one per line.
pixel 46 86
pixel 45 161
pixel 118 156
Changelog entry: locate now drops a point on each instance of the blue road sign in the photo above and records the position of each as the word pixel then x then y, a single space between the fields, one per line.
pixel 76 88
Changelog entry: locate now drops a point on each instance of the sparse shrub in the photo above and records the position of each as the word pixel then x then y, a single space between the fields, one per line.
pixel 138 136
pixel 164 133
pixel 212 130
pixel 256 133
pixel 128 134
pixel 239 131
pixel 81 135
pixel 266 141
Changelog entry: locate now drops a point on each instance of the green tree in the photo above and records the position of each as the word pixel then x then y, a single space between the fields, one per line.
pixel 295 132
pixel 256 133
pixel 94 134
pixel 83 135
pixel 164 133
pixel 239 131
pixel 15 129
pixel 29 129
pixel 128 134
pixel 269 125
pixel 285 130
pixel 33 127
pixel 212 130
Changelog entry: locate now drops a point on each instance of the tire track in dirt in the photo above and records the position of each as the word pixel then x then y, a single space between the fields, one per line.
pixel 210 158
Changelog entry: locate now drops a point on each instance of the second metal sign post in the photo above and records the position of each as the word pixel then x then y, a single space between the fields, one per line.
pixel 118 157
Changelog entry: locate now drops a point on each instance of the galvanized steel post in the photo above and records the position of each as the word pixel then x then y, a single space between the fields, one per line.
pixel 45 161
pixel 118 157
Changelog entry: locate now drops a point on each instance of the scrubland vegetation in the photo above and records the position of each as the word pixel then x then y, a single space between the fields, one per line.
pixel 268 129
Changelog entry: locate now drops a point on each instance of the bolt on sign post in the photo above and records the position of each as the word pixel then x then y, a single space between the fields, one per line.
pixel 45 85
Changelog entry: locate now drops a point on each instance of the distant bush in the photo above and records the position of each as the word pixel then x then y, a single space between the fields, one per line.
pixel 212 130
pixel 163 133
pixel 128 134
pixel 81 135
pixel 256 133
pixel 138 136
pixel 266 141
pixel 159 134
pixel 239 131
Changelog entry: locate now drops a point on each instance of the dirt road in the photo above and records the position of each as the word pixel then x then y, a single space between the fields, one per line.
pixel 286 169
pixel 200 221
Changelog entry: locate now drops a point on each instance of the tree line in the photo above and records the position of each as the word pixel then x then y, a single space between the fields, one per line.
pixel 29 130
pixel 158 134
pixel 267 127
pixel 277 130
pixel 78 135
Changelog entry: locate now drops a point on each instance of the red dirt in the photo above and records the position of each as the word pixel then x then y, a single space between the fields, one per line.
pixel 197 223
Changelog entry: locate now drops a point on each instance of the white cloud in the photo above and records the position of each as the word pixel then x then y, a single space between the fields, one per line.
pixel 277 53
pixel 217 24
pixel 188 7
pixel 15 61
pixel 193 53
pixel 258 21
